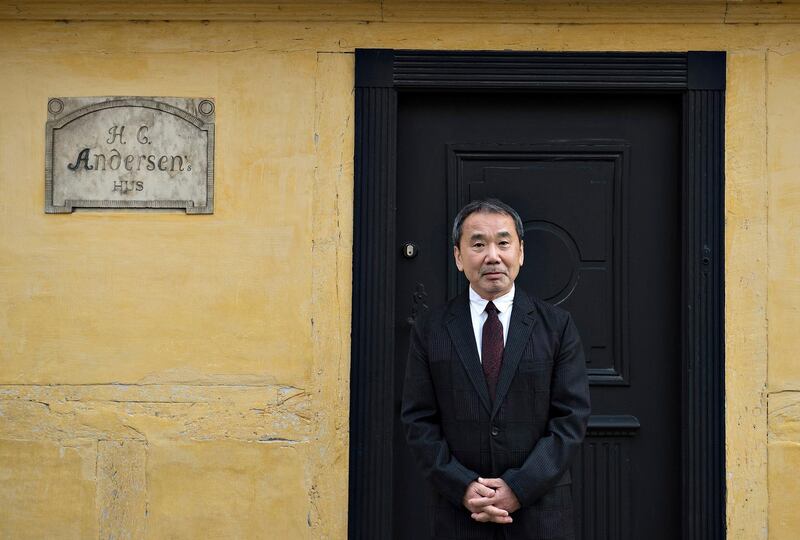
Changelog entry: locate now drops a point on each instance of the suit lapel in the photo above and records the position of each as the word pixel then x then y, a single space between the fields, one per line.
pixel 519 331
pixel 459 326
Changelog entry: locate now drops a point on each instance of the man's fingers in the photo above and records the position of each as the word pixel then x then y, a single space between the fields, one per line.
pixel 484 491
pixel 484 517
pixel 491 482
pixel 481 502
pixel 494 511
pixel 494 506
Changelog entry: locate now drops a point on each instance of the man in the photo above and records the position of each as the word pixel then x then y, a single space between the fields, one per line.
pixel 496 400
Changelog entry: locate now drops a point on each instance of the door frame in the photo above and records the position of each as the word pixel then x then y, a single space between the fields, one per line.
pixel 699 77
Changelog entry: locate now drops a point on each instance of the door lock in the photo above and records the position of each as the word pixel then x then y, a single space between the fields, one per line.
pixel 410 250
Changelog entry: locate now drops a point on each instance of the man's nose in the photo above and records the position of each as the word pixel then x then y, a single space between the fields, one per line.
pixel 492 254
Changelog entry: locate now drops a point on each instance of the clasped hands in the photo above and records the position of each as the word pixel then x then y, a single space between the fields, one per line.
pixel 490 499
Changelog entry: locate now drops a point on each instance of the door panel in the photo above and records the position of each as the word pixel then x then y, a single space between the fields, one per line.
pixel 575 234
pixel 595 179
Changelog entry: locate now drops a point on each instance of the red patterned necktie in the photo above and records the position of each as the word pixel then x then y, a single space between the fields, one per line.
pixel 492 348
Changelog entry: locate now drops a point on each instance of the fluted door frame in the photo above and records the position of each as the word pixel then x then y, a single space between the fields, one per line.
pixel 699 77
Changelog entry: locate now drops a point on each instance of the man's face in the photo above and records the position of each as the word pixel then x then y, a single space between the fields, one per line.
pixel 490 253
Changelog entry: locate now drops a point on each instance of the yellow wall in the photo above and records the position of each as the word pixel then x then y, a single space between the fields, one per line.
pixel 173 376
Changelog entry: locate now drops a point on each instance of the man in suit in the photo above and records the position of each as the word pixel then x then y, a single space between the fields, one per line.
pixel 496 400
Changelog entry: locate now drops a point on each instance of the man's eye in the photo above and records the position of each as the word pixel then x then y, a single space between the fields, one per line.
pixel 477 245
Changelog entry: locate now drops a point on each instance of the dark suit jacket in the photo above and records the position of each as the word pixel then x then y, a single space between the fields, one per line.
pixel 527 436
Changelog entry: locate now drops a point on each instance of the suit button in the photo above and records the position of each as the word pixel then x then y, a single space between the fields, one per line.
pixel 495 432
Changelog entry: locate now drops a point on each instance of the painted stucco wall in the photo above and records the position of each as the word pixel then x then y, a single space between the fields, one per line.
pixel 173 376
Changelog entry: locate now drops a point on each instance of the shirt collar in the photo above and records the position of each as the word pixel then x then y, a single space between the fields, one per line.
pixel 502 303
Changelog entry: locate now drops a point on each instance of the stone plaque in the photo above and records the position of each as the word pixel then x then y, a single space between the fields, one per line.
pixel 130 152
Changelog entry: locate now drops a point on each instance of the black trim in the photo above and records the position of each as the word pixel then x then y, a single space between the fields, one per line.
pixel 530 71
pixel 703 375
pixel 603 425
pixel 374 68
pixel 371 417
pixel 706 70
pixel 380 75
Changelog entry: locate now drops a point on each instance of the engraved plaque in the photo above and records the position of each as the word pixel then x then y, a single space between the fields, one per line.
pixel 130 152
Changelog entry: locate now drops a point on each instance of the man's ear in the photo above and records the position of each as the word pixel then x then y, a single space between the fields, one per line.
pixel 457 257
pixel 521 252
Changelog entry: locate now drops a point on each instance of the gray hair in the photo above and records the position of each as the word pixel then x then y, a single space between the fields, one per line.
pixel 492 206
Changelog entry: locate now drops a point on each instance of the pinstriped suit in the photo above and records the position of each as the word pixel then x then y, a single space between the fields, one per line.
pixel 527 436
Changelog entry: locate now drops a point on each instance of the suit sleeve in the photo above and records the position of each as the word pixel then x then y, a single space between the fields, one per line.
pixel 569 414
pixel 419 414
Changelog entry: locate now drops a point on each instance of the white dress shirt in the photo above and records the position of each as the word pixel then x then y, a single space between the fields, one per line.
pixel 477 309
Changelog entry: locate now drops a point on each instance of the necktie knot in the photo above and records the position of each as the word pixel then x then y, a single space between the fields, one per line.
pixel 491 309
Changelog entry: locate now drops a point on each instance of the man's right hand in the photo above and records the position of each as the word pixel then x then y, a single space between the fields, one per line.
pixel 478 499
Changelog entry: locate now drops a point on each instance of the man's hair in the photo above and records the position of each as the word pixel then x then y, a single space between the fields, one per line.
pixel 491 206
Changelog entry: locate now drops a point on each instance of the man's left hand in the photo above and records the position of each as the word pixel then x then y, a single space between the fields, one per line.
pixel 503 498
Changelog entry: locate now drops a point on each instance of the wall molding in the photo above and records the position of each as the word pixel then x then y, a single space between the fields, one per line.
pixel 405 11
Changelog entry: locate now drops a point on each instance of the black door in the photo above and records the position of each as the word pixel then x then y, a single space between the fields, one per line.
pixel 597 181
